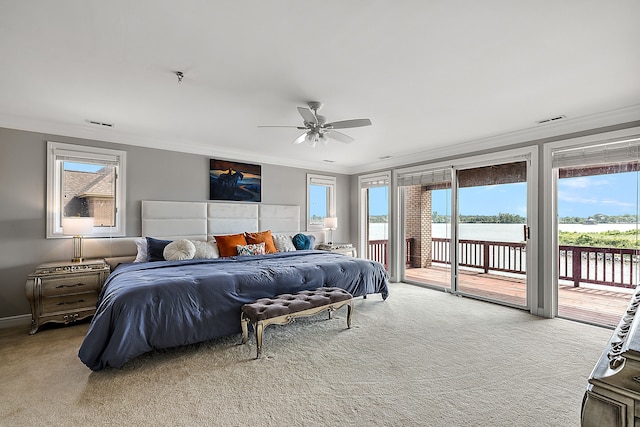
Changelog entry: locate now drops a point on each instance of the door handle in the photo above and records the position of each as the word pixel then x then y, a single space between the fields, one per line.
pixel 526 232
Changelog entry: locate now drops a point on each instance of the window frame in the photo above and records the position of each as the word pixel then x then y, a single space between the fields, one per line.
pixel 549 261
pixel 57 153
pixel 326 181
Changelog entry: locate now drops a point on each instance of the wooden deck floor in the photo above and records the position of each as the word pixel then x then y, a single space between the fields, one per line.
pixel 597 305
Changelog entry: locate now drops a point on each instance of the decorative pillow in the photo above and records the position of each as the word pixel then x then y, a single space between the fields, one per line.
pixel 312 241
pixel 179 250
pixel 283 243
pixel 253 249
pixel 155 249
pixel 141 245
pixel 227 245
pixel 205 250
pixel 262 236
pixel 301 241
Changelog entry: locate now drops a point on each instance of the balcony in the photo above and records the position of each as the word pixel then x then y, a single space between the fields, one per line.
pixel 595 290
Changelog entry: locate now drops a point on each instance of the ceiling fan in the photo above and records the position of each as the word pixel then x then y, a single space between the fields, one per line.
pixel 317 128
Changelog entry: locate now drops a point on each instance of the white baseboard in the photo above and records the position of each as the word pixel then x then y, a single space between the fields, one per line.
pixel 9 322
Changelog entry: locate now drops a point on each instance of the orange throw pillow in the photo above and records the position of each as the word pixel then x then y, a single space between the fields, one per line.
pixel 262 236
pixel 227 245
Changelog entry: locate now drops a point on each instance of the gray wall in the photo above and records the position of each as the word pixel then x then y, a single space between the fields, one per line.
pixel 151 175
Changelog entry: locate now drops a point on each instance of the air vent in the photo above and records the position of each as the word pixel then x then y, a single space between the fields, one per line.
pixel 93 122
pixel 552 119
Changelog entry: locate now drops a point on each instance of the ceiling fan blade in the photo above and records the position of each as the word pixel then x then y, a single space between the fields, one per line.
pixel 300 139
pixel 339 136
pixel 353 123
pixel 282 126
pixel 307 115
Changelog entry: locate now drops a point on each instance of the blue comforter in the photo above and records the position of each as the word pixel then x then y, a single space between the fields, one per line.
pixel 155 305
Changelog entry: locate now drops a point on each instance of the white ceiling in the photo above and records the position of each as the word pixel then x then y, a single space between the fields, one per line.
pixel 431 75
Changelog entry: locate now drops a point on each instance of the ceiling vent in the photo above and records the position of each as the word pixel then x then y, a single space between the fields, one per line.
pixel 93 122
pixel 552 119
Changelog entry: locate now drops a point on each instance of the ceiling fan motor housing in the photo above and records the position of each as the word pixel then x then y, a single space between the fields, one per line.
pixel 315 105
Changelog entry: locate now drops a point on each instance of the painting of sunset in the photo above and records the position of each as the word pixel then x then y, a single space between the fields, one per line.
pixel 234 181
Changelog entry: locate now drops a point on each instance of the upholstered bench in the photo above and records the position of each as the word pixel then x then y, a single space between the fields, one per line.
pixel 285 308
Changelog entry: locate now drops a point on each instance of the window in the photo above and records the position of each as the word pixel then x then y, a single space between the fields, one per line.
pixel 596 231
pixel 321 199
pixel 374 207
pixel 86 182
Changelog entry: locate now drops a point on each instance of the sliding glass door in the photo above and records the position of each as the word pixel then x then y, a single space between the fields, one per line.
pixel 427 227
pixel 466 227
pixel 493 232
pixel 374 217
pixel 598 192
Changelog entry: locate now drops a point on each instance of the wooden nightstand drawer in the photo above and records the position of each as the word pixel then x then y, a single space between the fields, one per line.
pixel 69 302
pixel 76 283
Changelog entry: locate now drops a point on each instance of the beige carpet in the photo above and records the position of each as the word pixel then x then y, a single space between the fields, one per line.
pixel 421 358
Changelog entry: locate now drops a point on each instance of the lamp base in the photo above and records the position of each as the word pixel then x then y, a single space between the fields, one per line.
pixel 330 239
pixel 77 249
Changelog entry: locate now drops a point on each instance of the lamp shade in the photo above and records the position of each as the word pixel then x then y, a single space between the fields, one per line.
pixel 77 226
pixel 331 222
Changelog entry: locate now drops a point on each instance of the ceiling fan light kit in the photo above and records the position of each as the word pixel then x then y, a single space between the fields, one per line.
pixel 318 130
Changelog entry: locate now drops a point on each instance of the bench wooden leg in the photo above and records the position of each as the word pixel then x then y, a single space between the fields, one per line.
pixel 259 327
pixel 349 313
pixel 244 321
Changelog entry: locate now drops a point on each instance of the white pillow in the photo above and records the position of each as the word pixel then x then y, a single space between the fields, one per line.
pixel 283 243
pixel 179 250
pixel 141 244
pixel 206 250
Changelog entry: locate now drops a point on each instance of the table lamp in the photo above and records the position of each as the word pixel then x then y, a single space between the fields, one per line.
pixel 330 223
pixel 77 227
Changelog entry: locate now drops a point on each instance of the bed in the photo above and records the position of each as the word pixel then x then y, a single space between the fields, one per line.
pixel 146 306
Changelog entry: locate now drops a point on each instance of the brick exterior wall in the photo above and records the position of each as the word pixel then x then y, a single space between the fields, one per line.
pixel 101 209
pixel 418 225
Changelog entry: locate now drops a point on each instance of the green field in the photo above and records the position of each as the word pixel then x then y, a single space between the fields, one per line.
pixel 605 239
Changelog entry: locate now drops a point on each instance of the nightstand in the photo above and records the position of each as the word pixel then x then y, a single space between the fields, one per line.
pixel 64 292
pixel 341 248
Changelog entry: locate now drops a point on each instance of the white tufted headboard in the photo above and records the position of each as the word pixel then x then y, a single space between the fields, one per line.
pixel 198 220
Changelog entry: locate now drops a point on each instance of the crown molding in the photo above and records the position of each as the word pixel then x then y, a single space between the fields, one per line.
pixel 112 135
pixel 539 132
pixel 533 134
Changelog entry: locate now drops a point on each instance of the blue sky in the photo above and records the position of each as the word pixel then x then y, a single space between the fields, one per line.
pixel 378 201
pixel 612 194
pixel 318 196
pixel 82 167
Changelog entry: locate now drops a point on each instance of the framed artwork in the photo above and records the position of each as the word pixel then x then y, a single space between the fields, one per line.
pixel 234 181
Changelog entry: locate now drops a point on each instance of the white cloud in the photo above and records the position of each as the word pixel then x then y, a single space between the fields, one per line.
pixel 565 196
pixel 583 182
